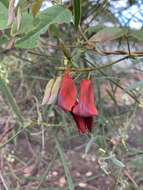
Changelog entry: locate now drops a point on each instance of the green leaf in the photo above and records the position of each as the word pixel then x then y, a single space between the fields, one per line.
pixel 11 101
pixel 54 31
pixel 52 15
pixel 91 30
pixel 138 35
pixel 108 34
pixel 65 165
pixel 117 162
pixel 5 2
pixel 3 16
pixel 89 144
pixel 55 15
pixel 4 39
pixel 26 25
pixel 29 41
pixel 99 140
pixel 77 13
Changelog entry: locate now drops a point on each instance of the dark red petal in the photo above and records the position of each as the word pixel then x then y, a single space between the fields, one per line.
pixel 89 122
pixel 86 106
pixel 67 93
pixel 80 122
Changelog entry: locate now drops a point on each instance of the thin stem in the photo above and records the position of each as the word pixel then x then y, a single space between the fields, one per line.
pixel 47 170
pixel 3 182
pixel 92 68
pixel 129 50
pixel 132 54
pixel 116 83
pixel 82 34
pixel 16 134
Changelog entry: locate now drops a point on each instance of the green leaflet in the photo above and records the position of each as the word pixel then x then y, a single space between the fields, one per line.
pixel 5 2
pixel 67 172
pixel 108 34
pixel 77 13
pixel 53 15
pixel 3 16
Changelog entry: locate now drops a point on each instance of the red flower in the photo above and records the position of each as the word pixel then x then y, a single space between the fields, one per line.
pixel 86 106
pixel 67 93
pixel 82 111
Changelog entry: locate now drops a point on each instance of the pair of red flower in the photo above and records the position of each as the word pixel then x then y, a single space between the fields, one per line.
pixel 83 109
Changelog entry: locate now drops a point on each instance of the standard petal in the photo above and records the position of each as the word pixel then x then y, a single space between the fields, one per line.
pixel 86 106
pixel 67 93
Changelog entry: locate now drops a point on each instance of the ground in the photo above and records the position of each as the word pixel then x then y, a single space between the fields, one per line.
pixel 32 162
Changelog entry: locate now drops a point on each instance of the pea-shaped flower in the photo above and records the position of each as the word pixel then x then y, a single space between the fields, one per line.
pixel 86 106
pixel 67 94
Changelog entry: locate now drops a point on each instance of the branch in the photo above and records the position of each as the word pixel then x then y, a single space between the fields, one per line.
pixel 92 68
pixel 127 53
pixel 117 84
pixel 131 54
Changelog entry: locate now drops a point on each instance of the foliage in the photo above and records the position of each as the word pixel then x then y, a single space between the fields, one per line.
pixel 85 37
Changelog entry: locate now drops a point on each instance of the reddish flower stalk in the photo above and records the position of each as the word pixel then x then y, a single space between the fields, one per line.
pixel 67 93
